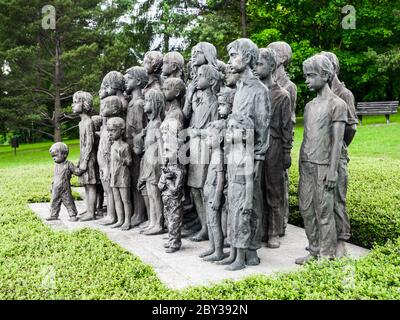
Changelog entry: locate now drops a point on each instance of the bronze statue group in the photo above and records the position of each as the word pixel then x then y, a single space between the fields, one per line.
pixel 208 156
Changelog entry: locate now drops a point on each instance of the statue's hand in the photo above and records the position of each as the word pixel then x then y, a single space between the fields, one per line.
pixel 83 166
pixel 331 180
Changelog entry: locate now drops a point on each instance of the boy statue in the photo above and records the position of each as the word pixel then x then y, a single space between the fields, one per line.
pixel 252 100
pixel 173 64
pixel 277 159
pixel 61 186
pixel 325 118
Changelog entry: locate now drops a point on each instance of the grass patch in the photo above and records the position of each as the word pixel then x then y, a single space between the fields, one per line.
pixel 87 265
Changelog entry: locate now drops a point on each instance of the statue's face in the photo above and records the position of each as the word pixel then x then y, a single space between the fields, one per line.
pixel 148 106
pixel 148 65
pixel 231 78
pixel 113 132
pixel 202 81
pixel 236 61
pixel 77 106
pixel 168 67
pixel 106 90
pixel 212 139
pixel 198 58
pixel 131 83
pixel 224 109
pixel 58 156
pixel 169 92
pixel 263 67
pixel 314 80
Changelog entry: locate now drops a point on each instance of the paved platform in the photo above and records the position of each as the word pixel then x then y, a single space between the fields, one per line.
pixel 184 268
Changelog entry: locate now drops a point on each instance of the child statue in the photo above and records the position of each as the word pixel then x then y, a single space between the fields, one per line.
pixel 277 158
pixel 325 118
pixel 284 57
pixel 239 142
pixel 113 84
pixel 136 79
pixel 341 217
pixel 252 100
pixel 173 64
pixel 97 122
pixel 204 110
pixel 225 103
pixel 150 164
pixel 120 177
pixel 82 104
pixel 61 186
pixel 213 190
pixel 109 107
pixel 171 186
pixel 153 62
pixel 231 78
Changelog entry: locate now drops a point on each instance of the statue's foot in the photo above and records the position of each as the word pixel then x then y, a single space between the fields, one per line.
pixel 87 217
pixel 340 249
pixel 145 225
pixel 215 257
pixel 107 221
pixel 166 245
pixel 206 253
pixel 200 236
pixel 226 261
pixel 52 218
pixel 73 219
pixel 273 243
pixel 117 224
pixel 252 258
pixel 154 231
pixel 136 222
pixel 171 250
pixel 126 226
pixel 80 214
pixel 235 266
pixel 305 259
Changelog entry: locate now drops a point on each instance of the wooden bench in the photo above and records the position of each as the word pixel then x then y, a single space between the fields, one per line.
pixel 385 108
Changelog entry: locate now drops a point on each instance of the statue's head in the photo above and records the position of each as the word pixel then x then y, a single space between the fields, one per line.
pixel 231 78
pixel 239 128
pixel 115 127
pixel 318 71
pixel 138 144
pixel 112 84
pixel 97 122
pixel 333 59
pixel 59 152
pixel 173 63
pixel 225 101
pixel 110 107
pixel 215 132
pixel 204 53
pixel 283 52
pixel 243 53
pixel 173 88
pixel 208 77
pixel 153 61
pixel 135 78
pixel 154 103
pixel 82 102
pixel 267 62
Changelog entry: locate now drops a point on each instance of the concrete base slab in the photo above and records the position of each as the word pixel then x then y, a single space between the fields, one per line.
pixel 184 268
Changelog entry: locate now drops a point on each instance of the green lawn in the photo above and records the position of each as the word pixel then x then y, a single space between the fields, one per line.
pixel 89 266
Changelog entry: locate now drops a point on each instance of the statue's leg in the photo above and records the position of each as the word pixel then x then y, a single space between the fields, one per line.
pixel 126 200
pixel 119 207
pixel 197 194
pixel 111 214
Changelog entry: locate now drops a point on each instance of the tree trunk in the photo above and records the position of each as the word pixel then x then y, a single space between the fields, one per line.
pixel 57 97
pixel 243 19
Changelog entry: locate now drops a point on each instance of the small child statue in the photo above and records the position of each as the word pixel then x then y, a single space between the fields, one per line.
pixel 171 186
pixel 120 177
pixel 213 190
pixel 61 186
pixel 150 164
pixel 97 122
pixel 153 62
pixel 82 104
pixel 239 141
pixel 109 107
pixel 325 118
